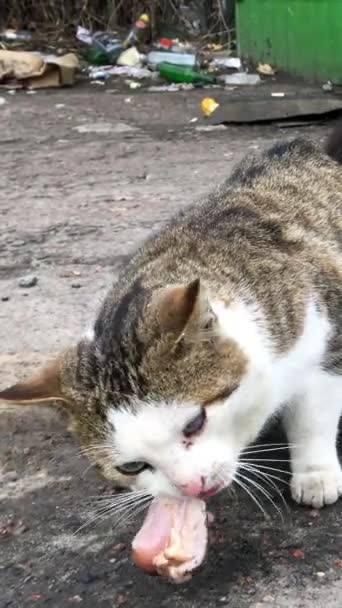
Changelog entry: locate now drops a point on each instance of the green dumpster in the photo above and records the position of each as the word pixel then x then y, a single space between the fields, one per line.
pixel 301 37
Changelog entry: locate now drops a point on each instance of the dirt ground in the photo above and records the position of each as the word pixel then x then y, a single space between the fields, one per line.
pixel 85 175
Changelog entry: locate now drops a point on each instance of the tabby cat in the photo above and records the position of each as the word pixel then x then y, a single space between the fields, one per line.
pixel 230 315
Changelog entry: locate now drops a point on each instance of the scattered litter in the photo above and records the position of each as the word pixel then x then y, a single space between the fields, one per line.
pixel 4 298
pixel 328 86
pixel 210 128
pixel 164 43
pixel 13 36
pixel 29 281
pixel 76 285
pixel 155 58
pixel 209 105
pixel 129 72
pixel 278 94
pixel 103 47
pixel 139 32
pixel 232 63
pixel 59 106
pixel 2 101
pixel 75 599
pixel 265 69
pixel 180 73
pixel 320 574
pixel 21 69
pixel 100 82
pixel 30 92
pixel 171 88
pixel 104 127
pixel 338 563
pixel 133 84
pixel 241 78
pixel 195 119
pixel 130 57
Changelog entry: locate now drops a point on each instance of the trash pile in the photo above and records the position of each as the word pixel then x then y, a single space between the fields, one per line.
pixel 136 60
pixel 166 60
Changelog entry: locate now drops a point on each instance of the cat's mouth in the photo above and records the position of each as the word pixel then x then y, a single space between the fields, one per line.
pixel 212 491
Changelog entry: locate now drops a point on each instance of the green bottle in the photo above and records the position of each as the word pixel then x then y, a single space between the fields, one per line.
pixel 181 73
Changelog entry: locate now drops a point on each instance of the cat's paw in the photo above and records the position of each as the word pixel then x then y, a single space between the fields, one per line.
pixel 317 488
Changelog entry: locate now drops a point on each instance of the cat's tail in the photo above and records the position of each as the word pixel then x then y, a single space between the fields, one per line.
pixel 334 144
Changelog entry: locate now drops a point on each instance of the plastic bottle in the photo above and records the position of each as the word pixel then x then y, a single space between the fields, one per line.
pixel 107 46
pixel 139 31
pixel 180 73
pixel 155 58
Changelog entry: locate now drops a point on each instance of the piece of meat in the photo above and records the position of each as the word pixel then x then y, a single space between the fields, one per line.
pixel 173 539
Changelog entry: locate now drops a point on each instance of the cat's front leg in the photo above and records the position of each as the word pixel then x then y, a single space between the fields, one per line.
pixel 311 423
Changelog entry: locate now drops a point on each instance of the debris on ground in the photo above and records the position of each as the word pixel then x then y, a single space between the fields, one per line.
pixel 155 58
pixel 180 73
pixel 130 57
pixel 241 78
pixel 265 69
pixel 139 32
pixel 29 281
pixel 232 63
pixel 209 105
pixel 23 69
pixel 14 38
pixel 328 86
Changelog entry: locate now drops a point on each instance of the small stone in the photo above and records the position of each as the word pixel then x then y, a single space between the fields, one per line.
pixel 298 554
pixel 29 281
pixel 75 599
pixel 268 598
pixel 118 548
pixel 121 599
pixel 4 298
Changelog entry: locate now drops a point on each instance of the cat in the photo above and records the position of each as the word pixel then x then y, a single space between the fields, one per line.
pixel 229 316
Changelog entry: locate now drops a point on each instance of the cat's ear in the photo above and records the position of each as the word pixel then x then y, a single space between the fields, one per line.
pixel 183 307
pixel 45 386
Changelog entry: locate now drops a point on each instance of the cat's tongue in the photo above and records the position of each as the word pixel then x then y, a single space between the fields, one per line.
pixel 172 541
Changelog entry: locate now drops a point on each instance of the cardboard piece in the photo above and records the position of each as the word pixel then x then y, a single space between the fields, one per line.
pixel 21 69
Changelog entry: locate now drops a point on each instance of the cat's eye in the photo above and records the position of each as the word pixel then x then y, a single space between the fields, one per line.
pixel 132 468
pixel 196 424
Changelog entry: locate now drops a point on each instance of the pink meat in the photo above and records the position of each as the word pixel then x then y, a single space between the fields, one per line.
pixel 173 539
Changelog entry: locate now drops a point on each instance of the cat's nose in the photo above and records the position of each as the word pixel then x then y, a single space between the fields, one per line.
pixel 193 488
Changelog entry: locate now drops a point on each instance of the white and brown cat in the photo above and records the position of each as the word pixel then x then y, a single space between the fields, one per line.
pixel 232 314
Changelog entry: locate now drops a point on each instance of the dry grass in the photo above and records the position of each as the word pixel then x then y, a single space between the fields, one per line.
pixel 62 16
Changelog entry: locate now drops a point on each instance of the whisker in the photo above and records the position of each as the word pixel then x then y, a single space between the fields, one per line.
pixel 264 466
pixel 266 460
pixel 104 512
pixel 265 450
pixel 132 510
pixel 266 478
pixel 256 468
pixel 248 491
pixel 266 445
pixel 264 492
